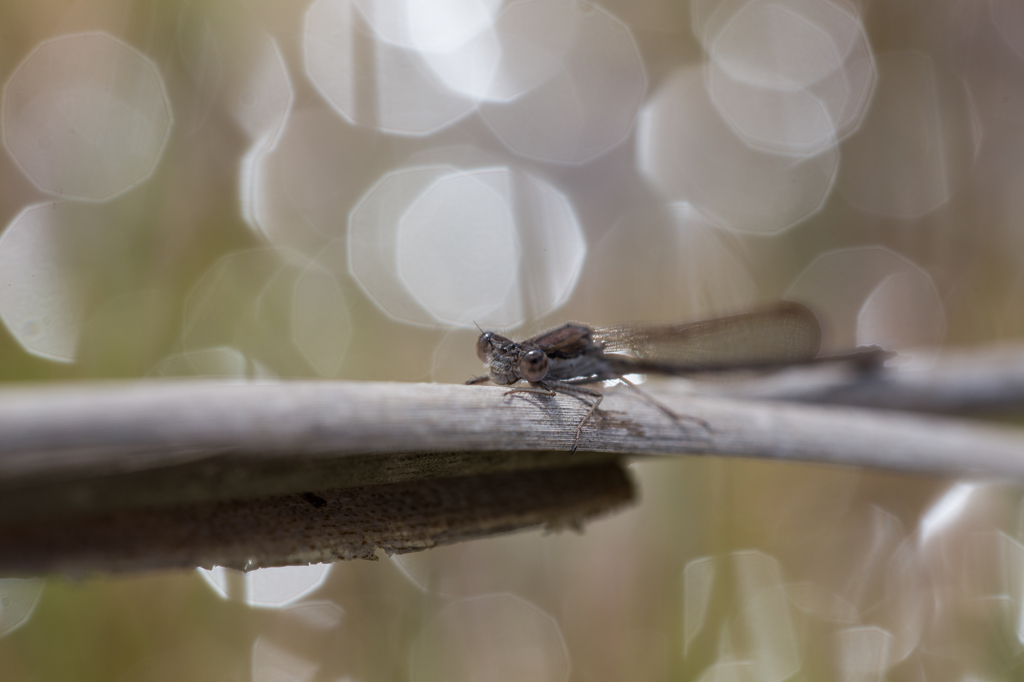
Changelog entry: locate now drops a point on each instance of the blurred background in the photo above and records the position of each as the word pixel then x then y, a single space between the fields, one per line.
pixel 342 189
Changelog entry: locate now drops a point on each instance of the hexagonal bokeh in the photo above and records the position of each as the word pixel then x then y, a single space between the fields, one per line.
pixel 260 97
pixel 494 637
pixel 871 295
pixel 468 569
pixel 903 312
pixel 259 93
pixel 320 324
pixel 585 79
pixel 18 599
pixel 1008 18
pixel 688 153
pixel 692 269
pixel 299 194
pixel 49 257
pixel 86 116
pixel 281 311
pixel 436 244
pixel 273 663
pixel 770 651
pixel 448 215
pixel 389 88
pixel 268 587
pixel 789 76
pixel 221 361
pixel 912 150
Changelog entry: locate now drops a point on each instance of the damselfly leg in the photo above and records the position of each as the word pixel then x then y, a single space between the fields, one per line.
pixel 551 388
pixel 678 418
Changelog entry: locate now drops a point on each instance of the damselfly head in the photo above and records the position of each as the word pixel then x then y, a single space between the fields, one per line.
pixel 501 356
pixel 489 342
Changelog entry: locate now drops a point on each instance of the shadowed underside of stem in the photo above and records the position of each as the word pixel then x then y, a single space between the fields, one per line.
pixel 314 527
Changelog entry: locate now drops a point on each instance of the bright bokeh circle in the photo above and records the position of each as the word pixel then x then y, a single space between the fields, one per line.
pixel 442 245
pixel 86 116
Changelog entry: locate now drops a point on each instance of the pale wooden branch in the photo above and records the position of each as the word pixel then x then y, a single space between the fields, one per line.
pixel 987 380
pixel 180 473
pixel 88 430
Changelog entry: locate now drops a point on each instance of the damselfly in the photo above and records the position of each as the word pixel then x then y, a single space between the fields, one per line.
pixel 564 359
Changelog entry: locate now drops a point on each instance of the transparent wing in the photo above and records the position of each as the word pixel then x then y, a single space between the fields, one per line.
pixel 783 334
pixel 569 340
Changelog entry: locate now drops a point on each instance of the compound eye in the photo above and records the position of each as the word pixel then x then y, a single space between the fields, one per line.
pixel 483 346
pixel 534 365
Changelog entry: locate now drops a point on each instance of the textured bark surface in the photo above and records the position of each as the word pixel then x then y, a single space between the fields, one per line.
pixel 314 527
